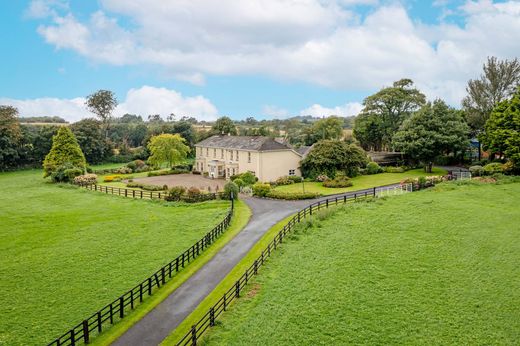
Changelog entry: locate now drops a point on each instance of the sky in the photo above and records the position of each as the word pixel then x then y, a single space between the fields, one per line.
pixel 261 58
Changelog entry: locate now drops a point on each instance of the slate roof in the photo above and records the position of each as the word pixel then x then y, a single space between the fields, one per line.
pixel 258 143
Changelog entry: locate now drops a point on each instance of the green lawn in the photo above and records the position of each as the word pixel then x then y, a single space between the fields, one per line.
pixel 360 182
pixel 436 267
pixel 66 252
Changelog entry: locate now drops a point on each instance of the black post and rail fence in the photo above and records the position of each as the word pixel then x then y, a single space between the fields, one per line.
pixel 120 307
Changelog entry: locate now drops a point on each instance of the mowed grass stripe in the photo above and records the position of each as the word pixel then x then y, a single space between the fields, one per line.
pixel 434 267
pixel 66 252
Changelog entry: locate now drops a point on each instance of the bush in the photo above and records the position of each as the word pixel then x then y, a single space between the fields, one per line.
pixel 248 178
pixel 111 178
pixel 175 193
pixel 193 192
pixel 239 182
pixel 261 190
pixel 493 168
pixel 285 180
pixel 291 195
pixel 89 170
pixel 123 170
pixel 65 154
pixel 339 181
pixel 246 190
pixel 229 188
pixel 169 172
pixel 144 168
pixel 147 187
pixel 86 179
pixel 476 170
pixel 295 178
pixel 391 169
pixel 321 178
pixel 509 168
pixel 373 168
pixel 65 173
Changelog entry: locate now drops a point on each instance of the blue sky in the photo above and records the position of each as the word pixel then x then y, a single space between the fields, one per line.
pixel 261 58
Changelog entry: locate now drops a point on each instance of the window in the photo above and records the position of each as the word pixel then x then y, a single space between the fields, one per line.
pixel 214 153
pixel 221 153
pixel 236 154
pixel 231 155
pixel 249 157
pixel 207 151
pixel 292 172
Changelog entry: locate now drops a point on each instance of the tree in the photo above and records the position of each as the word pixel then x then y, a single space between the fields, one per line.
pixel 10 136
pixel 224 126
pixel 389 107
pixel 102 103
pixel 369 131
pixel 90 137
pixel 65 150
pixel 329 156
pixel 502 130
pixel 433 130
pixel 167 148
pixel 328 128
pixel 36 142
pixel 498 82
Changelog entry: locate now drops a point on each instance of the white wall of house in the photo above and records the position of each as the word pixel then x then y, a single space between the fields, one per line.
pixel 275 164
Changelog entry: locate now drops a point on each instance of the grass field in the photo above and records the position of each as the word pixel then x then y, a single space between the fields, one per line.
pixel 66 252
pixel 360 182
pixel 433 267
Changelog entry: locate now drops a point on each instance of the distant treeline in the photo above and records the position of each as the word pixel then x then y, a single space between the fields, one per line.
pixel 46 119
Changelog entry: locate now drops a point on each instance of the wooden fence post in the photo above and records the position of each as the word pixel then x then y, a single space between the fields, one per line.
pixel 72 337
pixel 237 289
pixel 212 316
pixel 86 336
pixel 121 307
pixel 194 335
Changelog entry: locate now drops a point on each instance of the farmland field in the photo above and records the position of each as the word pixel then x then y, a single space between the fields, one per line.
pixel 434 267
pixel 66 252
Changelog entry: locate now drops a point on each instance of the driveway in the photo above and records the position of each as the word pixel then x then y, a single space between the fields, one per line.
pixel 186 180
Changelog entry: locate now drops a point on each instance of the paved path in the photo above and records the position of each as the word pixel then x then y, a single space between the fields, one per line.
pixel 165 317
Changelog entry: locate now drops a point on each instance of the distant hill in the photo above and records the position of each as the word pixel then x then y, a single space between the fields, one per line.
pixel 43 120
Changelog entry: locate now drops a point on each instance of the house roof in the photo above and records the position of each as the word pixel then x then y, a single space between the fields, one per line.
pixel 304 150
pixel 258 143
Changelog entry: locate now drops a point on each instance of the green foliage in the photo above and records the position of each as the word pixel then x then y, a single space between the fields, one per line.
pixel 327 128
pixel 373 168
pixel 239 182
pixel 476 170
pixel 64 151
pixel 247 178
pixel 338 182
pixel 285 180
pixel 86 179
pixel 175 193
pixel 231 188
pixel 91 140
pixel 384 112
pixel 66 173
pixel 328 157
pixel 291 195
pixel 502 133
pixel 10 137
pixel 167 148
pixel 224 126
pixel 147 187
pixel 261 189
pixel 493 168
pixel 295 178
pixel 102 103
pixel 433 130
pixel 390 169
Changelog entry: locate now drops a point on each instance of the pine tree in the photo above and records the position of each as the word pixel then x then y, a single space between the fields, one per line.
pixel 65 151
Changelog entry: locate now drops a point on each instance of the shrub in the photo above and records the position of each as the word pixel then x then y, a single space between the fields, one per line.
pixel 295 178
pixel 86 179
pixel 260 189
pixel 147 187
pixel 291 195
pixel 123 170
pixel 65 173
pixel 476 170
pixel 509 168
pixel 493 168
pixel 283 181
pixel 144 168
pixel 65 150
pixel 193 192
pixel 239 182
pixel 248 178
pixel 229 188
pixel 111 178
pixel 246 190
pixel 339 181
pixel 89 169
pixel 373 168
pixel 321 178
pixel 175 193
pixel 390 169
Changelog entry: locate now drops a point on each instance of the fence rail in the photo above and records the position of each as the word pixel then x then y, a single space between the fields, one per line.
pixel 143 194
pixel 117 309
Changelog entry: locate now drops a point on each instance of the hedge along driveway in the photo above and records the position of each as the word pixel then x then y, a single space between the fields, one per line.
pixel 66 252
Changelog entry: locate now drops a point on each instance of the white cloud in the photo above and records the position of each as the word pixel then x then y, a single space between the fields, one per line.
pixel 144 101
pixel 274 111
pixel 317 110
pixel 316 41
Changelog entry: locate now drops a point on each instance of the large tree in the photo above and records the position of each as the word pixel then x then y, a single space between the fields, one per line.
pixel 102 103
pixel 167 148
pixel 498 82
pixel 502 130
pixel 328 128
pixel 65 150
pixel 10 137
pixel 433 130
pixel 224 126
pixel 385 111
pixel 90 137
pixel 329 156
